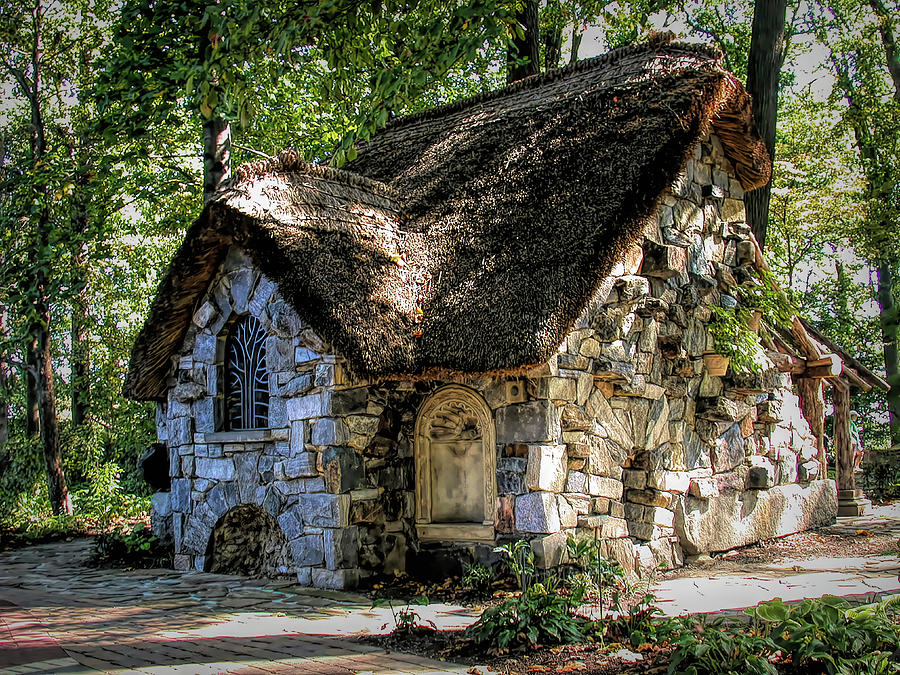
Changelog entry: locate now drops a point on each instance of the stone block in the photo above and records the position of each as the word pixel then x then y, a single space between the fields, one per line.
pixel 704 488
pixel 298 385
pixel 291 523
pixel 214 469
pixel 205 348
pixel 568 517
pixel 550 551
pixel 302 465
pixel 341 547
pixel 607 526
pixel 663 261
pixel 181 430
pixel 537 512
pixel 600 486
pixel 762 474
pixel 561 388
pixel 649 497
pixel 576 481
pixel 733 211
pixel 350 401
pixel 532 422
pixel 808 471
pixel 669 481
pixel 546 469
pixel 329 431
pixel 325 510
pixel 306 407
pixel 307 550
pixel 344 469
pixel 753 516
pixel 729 450
pixel 334 579
pixel 635 480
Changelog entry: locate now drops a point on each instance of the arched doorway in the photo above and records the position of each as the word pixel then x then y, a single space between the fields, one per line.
pixel 455 467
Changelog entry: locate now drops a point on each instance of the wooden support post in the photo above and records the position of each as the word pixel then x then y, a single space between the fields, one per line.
pixel 812 405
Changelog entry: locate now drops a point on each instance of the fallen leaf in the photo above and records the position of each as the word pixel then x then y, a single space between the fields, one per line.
pixel 573 667
pixel 540 669
pixel 863 533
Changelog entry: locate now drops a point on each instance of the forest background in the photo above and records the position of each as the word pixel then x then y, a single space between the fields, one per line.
pixel 118 119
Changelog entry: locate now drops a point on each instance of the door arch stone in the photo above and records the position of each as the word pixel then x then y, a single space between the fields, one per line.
pixel 455 455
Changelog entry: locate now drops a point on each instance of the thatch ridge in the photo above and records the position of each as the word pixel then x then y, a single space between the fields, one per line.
pixel 660 41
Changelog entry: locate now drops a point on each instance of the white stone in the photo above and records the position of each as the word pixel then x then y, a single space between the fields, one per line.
pixel 568 517
pixel 305 407
pixel 546 469
pixel 600 486
pixel 576 481
pixel 669 481
pixel 329 431
pixel 301 466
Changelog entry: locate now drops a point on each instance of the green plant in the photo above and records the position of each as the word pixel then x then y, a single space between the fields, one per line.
pixel 826 634
pixel 479 578
pixel 539 615
pixel 407 621
pixel 137 548
pixel 519 558
pixel 702 648
pixel 598 577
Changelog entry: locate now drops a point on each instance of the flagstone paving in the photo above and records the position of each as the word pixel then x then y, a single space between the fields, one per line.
pixel 59 616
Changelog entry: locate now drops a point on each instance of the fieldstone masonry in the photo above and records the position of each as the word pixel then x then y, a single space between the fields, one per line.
pixel 624 435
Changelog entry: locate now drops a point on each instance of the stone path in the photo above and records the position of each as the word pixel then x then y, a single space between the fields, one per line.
pixel 59 616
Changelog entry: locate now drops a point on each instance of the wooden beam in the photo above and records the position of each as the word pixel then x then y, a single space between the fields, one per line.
pixel 829 365
pixel 840 396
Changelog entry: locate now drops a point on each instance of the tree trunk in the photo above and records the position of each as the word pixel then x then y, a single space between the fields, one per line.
pixel 552 38
pixel 523 59
pixel 763 72
pixel 32 413
pixel 80 327
pixel 4 406
pixel 812 405
pixel 216 155
pixel 843 452
pixel 576 44
pixel 887 301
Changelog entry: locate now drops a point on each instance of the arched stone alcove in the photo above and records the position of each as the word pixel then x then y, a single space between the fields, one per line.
pixel 455 467
pixel 248 541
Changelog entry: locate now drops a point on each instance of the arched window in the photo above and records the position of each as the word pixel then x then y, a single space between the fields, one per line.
pixel 246 377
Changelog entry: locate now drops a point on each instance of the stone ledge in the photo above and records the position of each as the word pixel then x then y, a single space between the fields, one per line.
pixel 243 436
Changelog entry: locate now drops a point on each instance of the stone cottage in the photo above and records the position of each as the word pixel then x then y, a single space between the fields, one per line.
pixel 491 325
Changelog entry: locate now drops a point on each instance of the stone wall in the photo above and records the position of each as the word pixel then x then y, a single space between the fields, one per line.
pixel 624 435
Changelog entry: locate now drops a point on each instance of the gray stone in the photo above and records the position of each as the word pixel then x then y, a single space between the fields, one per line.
pixel 270 499
pixel 215 469
pixel 279 353
pixel 204 415
pixel 181 431
pixel 344 469
pixel 246 476
pixel 306 407
pixel 325 510
pixel 550 551
pixel 291 523
pixel 335 579
pixel 341 547
pixel 533 422
pixel 285 321
pixel 241 285
pixel 301 466
pixel 161 504
pixel 297 385
pixel 537 512
pixel 205 345
pixel 728 451
pixel 265 287
pixel 307 550
pixel 329 431
pixel 181 495
pixel 187 392
pixel 753 516
pixel 350 401
pixel 576 481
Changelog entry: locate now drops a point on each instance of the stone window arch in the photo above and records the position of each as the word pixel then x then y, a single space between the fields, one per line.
pixel 244 380
pixel 455 455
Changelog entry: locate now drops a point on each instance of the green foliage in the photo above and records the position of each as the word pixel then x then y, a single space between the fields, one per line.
pixel 814 636
pixel 598 580
pixel 519 559
pixel 479 578
pixel 540 615
pixel 137 548
pixel 702 648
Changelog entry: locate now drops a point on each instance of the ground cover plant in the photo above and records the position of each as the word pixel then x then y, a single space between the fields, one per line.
pixel 576 621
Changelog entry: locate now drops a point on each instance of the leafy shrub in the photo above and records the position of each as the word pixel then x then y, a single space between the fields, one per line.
pixel 598 579
pixel 823 635
pixel 714 649
pixel 826 634
pixel 479 578
pixel 407 621
pixel 538 616
pixel 137 548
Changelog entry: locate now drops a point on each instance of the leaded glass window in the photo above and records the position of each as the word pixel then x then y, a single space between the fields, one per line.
pixel 246 377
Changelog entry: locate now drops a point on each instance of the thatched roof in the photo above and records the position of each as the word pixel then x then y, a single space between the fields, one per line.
pixel 466 239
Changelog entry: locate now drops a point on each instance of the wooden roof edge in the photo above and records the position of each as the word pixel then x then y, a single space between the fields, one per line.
pixel 860 373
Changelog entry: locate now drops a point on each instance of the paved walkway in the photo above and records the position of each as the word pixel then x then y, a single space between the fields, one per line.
pixel 59 616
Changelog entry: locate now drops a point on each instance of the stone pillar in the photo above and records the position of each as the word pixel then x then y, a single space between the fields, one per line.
pixel 851 501
pixel 812 404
